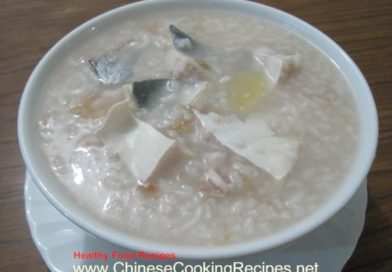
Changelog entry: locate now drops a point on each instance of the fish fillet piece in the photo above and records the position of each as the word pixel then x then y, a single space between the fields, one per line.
pixel 253 140
pixel 185 43
pixel 275 66
pixel 115 66
pixel 145 91
pixel 138 144
pixel 191 94
pixel 182 66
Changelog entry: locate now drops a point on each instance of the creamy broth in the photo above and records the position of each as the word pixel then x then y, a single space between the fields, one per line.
pixel 207 186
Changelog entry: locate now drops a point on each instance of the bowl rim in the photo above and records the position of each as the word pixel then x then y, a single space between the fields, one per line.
pixel 286 235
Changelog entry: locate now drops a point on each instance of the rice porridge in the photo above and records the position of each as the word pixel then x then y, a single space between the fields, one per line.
pixel 210 128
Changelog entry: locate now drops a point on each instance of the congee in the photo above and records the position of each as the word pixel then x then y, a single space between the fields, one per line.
pixel 207 128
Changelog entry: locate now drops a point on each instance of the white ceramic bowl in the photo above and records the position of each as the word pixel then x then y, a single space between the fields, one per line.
pixel 34 158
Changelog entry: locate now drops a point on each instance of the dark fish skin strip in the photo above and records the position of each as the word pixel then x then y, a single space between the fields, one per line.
pixel 144 91
pixel 180 39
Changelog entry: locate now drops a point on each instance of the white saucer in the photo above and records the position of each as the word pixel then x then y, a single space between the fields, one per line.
pixel 331 245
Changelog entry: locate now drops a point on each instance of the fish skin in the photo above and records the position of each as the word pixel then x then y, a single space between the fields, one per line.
pixel 145 90
pixel 115 67
pixel 182 41
pixel 186 44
